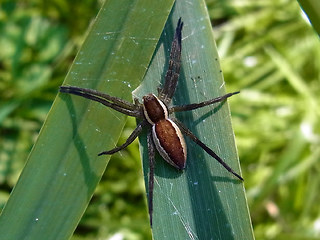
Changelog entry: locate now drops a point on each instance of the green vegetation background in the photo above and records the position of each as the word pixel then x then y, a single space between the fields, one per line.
pixel 268 51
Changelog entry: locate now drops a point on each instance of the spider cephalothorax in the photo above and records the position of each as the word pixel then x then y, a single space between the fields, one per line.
pixel 166 133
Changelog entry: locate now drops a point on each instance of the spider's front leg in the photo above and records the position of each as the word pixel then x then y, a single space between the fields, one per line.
pixel 172 76
pixel 115 103
pixel 193 106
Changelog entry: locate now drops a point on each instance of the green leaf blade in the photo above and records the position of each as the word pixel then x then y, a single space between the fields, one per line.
pixel 204 201
pixel 63 168
pixel 312 9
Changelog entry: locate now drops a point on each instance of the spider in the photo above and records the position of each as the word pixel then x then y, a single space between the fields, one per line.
pixel 166 133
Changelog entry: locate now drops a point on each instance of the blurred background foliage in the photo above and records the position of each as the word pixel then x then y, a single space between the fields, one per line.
pixel 268 50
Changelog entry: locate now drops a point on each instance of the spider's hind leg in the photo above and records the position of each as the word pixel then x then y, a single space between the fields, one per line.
pixel 187 132
pixel 151 153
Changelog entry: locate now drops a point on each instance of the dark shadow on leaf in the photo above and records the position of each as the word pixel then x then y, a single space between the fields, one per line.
pixel 79 144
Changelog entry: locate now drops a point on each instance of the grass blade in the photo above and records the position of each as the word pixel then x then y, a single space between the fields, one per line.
pixel 205 201
pixel 63 168
pixel 312 9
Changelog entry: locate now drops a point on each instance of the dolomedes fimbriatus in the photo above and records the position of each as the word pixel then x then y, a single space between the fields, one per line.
pixel 166 134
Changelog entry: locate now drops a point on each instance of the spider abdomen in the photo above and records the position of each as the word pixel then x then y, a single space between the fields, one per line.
pixel 170 143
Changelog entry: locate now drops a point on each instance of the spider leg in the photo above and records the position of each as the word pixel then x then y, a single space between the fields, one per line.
pixel 193 106
pixel 130 139
pixel 114 103
pixel 115 100
pixel 151 153
pixel 172 75
pixel 186 131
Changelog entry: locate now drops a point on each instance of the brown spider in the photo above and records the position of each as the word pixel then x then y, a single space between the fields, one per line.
pixel 166 134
